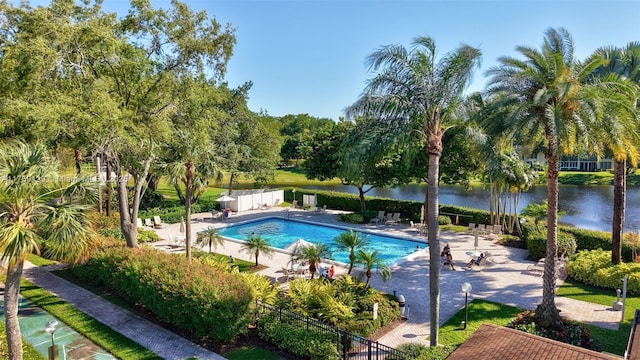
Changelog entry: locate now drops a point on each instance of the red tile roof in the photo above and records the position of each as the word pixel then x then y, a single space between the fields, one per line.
pixel 633 350
pixel 499 342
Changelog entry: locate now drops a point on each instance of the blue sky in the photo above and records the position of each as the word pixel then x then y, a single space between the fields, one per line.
pixel 308 56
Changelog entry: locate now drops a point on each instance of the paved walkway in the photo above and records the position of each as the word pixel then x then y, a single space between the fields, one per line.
pixel 505 279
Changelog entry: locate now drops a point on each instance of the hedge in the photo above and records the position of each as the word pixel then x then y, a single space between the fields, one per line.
pixel 407 209
pixel 594 268
pixel 299 341
pixel 198 299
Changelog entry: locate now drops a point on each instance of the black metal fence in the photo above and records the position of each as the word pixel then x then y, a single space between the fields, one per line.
pixel 349 345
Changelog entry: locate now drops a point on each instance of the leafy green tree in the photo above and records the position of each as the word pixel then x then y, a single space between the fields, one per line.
pixel 210 236
pixel 619 130
pixel 546 96
pixel 415 94
pixel 372 260
pixel 313 254
pixel 297 130
pixel 30 221
pixel 256 245
pixel 351 241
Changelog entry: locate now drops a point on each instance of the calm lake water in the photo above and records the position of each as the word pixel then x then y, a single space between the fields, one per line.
pixel 588 207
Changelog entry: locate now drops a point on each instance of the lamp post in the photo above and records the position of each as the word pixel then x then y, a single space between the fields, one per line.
pixel 466 288
pixel 51 329
pixel 294 195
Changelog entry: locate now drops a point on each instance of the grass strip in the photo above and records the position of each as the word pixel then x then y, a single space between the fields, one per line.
pixel 251 353
pixel 105 337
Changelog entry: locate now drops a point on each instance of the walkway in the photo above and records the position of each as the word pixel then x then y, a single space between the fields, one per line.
pixel 505 279
pixel 153 337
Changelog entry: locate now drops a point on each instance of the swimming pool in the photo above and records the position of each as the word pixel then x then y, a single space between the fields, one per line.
pixel 281 232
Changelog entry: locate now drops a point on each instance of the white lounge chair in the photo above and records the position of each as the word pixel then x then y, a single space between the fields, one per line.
pixel 157 223
pixel 378 218
pixel 395 219
pixel 148 222
pixel 472 227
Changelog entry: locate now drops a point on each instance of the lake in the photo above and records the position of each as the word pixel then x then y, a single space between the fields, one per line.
pixel 588 207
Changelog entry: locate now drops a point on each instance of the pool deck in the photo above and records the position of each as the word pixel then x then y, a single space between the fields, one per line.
pixel 505 279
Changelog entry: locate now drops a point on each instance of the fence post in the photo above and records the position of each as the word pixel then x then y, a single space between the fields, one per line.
pixel 369 350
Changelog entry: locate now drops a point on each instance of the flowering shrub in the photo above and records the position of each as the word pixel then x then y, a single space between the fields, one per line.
pixel 574 333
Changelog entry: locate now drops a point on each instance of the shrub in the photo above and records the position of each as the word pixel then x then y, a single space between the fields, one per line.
pixel 198 299
pixel 574 333
pixel 444 220
pixel 422 352
pixel 537 244
pixel 353 218
pixel 594 268
pixel 147 236
pixel 298 340
pixel 151 199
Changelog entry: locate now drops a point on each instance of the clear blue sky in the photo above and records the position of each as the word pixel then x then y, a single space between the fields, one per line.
pixel 308 56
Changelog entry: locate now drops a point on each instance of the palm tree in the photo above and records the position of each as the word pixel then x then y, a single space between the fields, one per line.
pixel 30 220
pixel 210 236
pixel 414 90
pixel 371 260
pixel 619 129
pixel 256 245
pixel 351 242
pixel 545 96
pixel 313 254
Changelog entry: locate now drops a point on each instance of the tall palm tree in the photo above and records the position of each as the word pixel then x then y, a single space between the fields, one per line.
pixel 371 260
pixel 619 129
pixel 210 236
pixel 414 90
pixel 256 245
pixel 35 213
pixel 351 242
pixel 313 254
pixel 545 95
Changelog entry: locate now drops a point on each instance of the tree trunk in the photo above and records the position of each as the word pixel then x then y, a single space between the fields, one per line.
pixel 363 206
pixel 129 230
pixel 109 188
pixel 78 157
pixel 153 181
pixel 11 295
pixel 231 177
pixel 187 206
pixel 434 246
pixel 547 314
pixel 97 163
pixel 619 199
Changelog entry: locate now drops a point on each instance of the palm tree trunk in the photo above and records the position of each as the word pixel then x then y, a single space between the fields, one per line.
pixel 434 246
pixel 78 158
pixel 547 314
pixel 11 295
pixel 619 199
pixel 109 189
pixel 190 173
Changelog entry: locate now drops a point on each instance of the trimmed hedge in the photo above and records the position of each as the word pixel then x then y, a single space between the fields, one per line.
pixel 195 298
pixel 537 244
pixel 594 268
pixel 172 215
pixel 302 342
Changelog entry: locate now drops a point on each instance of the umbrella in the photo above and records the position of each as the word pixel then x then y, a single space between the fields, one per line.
pixel 475 240
pixel 294 246
pixel 181 224
pixel 422 214
pixel 225 199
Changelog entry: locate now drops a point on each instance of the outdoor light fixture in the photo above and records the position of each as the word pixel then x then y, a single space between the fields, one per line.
pixel 466 288
pixel 294 194
pixel 51 329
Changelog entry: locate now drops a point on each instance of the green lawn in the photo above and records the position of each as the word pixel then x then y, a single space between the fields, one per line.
pixel 251 353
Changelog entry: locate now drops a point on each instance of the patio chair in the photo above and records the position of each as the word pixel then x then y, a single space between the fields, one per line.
pixel 140 223
pixel 417 228
pixel 496 230
pixel 287 275
pixel 393 219
pixel 157 223
pixel 480 265
pixel 378 218
pixel 472 227
pixel 148 222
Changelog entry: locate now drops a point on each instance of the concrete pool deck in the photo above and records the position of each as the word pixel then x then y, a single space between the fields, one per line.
pixel 505 279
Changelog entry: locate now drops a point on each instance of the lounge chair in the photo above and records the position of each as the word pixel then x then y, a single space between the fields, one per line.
pixel 472 227
pixel 140 223
pixel 378 218
pixel 148 222
pixel 157 223
pixel 496 230
pixel 480 265
pixel 416 227
pixel 287 275
pixel 395 219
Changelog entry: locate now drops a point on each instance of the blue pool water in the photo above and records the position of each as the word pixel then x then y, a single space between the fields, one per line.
pixel 281 233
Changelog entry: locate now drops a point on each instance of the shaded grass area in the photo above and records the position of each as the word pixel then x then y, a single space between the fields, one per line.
pixel 40 261
pixel 28 351
pixel 612 341
pixel 112 341
pixel 251 353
